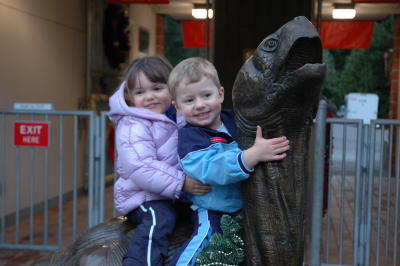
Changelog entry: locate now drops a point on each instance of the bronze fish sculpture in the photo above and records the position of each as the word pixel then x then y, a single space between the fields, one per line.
pixel 278 88
pixel 105 244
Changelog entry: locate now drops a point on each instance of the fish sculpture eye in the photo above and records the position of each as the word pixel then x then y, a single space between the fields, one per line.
pixel 271 44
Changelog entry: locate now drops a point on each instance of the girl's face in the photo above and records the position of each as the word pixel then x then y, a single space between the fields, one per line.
pixel 149 95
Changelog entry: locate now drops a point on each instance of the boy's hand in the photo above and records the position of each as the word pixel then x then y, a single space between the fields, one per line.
pixel 195 187
pixel 264 150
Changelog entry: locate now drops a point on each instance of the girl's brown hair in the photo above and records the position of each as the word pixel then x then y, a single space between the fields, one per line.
pixel 155 68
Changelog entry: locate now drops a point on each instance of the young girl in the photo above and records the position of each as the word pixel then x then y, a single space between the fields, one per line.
pixel 147 163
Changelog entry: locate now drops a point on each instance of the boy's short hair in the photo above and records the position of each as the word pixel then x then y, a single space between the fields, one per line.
pixel 192 69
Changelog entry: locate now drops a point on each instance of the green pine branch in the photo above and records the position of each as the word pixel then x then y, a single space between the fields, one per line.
pixel 225 249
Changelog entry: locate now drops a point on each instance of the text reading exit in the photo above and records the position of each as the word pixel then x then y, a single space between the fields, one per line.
pixel 31 134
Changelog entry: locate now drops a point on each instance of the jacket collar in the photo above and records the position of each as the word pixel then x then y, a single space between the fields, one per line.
pixel 227 117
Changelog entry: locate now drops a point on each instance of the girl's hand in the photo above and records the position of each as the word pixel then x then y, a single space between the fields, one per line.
pixel 195 187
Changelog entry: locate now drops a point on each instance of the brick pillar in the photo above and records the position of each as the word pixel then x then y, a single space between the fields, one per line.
pixel 394 112
pixel 160 35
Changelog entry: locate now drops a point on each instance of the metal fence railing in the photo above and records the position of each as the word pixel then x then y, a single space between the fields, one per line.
pixel 356 217
pixel 45 179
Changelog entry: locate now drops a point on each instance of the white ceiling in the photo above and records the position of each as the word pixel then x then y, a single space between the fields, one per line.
pixel 181 9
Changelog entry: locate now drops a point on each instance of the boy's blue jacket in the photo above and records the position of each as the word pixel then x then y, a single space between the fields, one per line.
pixel 214 158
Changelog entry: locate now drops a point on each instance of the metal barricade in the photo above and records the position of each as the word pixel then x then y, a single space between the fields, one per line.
pixel 356 220
pixel 383 187
pixel 40 185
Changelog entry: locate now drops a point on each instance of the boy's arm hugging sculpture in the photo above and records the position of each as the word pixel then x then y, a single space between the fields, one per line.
pixel 278 89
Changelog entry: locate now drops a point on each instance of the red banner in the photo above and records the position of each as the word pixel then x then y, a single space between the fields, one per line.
pixel 346 34
pixel 31 134
pixel 194 34
pixel 138 1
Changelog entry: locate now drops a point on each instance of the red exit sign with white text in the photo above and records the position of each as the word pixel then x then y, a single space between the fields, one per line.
pixel 31 134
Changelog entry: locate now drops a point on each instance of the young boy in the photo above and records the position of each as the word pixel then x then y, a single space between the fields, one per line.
pixel 208 151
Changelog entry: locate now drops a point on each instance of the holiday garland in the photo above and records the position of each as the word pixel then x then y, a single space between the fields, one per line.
pixel 227 248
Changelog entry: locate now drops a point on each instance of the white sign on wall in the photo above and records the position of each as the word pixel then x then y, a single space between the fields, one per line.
pixel 362 106
pixel 33 106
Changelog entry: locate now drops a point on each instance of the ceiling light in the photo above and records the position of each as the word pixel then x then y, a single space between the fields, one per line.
pixel 343 11
pixel 200 12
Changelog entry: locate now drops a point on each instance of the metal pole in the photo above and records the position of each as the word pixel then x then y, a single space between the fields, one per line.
pixel 363 204
pixel 102 143
pixel 60 181
pixel 75 180
pixel 2 179
pixel 318 185
pixel 341 194
pixel 97 171
pixel 357 195
pixel 92 127
pixel 396 209
pixel 370 195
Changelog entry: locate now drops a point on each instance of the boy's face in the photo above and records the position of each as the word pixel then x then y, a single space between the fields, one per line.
pixel 200 102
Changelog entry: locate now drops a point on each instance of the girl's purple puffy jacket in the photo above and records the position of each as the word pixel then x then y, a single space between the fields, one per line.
pixel 147 160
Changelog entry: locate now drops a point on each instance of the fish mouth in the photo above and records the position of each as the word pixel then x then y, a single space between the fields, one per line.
pixel 303 51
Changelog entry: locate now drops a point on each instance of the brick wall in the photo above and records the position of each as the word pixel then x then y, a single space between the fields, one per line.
pixel 160 35
pixel 394 112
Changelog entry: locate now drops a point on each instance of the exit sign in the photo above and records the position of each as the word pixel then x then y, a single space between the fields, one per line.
pixel 31 134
